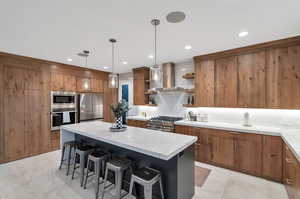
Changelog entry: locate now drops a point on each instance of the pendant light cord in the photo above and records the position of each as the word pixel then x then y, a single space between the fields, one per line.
pixel 113 56
pixel 155 43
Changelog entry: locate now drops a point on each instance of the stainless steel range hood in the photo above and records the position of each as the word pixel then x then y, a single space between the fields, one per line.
pixel 168 70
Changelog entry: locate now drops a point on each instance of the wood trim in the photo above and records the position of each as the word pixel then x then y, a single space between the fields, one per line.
pixel 249 49
pixel 2 143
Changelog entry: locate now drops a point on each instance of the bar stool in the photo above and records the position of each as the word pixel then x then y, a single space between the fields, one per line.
pixel 118 166
pixel 147 177
pixel 72 146
pixel 81 154
pixel 96 164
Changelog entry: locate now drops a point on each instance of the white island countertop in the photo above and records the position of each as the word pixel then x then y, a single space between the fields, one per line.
pixel 154 143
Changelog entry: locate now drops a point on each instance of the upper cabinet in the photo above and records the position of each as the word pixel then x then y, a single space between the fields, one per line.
pixel 261 76
pixel 140 86
pixel 252 80
pixel 61 82
pixel 97 85
pixel 226 82
pixel 205 83
pixel 83 84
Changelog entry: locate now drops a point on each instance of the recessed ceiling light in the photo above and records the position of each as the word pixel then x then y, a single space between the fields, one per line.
pixel 69 59
pixel 188 47
pixel 151 56
pixel 175 17
pixel 125 62
pixel 243 34
pixel 105 67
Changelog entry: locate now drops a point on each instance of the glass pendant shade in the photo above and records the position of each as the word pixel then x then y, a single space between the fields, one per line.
pixel 155 73
pixel 113 80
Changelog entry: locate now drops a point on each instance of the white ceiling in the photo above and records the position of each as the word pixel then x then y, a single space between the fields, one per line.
pixel 59 29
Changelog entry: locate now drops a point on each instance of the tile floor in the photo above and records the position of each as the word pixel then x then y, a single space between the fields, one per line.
pixel 38 178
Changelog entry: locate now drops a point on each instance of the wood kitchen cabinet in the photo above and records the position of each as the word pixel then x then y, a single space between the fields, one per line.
pixel 272 164
pixel 226 82
pixel 248 153
pixel 222 148
pixel 291 173
pixel 141 82
pixel 83 84
pixel 254 154
pixel 252 80
pixel 137 123
pixel 61 82
pixel 205 83
pixel 97 85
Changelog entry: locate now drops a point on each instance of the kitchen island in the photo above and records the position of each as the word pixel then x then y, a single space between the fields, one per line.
pixel 170 153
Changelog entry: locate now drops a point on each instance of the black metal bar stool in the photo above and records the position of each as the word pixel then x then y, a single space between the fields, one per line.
pixel 118 166
pixel 71 145
pixel 96 164
pixel 147 177
pixel 81 154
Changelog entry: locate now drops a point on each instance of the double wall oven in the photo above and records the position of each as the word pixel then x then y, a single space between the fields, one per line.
pixel 63 109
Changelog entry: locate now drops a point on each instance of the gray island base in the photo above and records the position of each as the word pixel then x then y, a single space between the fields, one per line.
pixel 170 153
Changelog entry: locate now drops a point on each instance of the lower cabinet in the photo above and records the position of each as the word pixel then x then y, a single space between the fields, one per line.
pixel 137 123
pixel 55 140
pixel 291 174
pixel 249 153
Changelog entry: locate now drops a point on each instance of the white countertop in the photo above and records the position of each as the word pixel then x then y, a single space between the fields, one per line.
pixel 257 129
pixel 137 117
pixel 290 135
pixel 154 143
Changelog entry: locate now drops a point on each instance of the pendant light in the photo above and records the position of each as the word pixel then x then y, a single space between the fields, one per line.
pixel 155 69
pixel 113 78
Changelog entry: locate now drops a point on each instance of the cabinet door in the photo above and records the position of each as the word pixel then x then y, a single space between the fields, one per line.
pixel 272 155
pixel 14 135
pixel 248 153
pixel 222 146
pixel 131 122
pixel 251 80
pixel 205 83
pixel 57 82
pixel 2 143
pixel 139 97
pixel 97 85
pixel 226 82
pixel 204 146
pixel 290 173
pixel 69 83
pixel 290 81
pixel 83 84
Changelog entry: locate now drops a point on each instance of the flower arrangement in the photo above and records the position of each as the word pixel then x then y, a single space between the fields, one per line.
pixel 119 109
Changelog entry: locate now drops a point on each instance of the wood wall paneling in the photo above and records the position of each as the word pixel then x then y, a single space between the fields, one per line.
pixel 14 125
pixel 110 97
pixel 226 82
pixel 205 83
pixel 252 80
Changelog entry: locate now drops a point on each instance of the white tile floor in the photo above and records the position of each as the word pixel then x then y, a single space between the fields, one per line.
pixel 38 178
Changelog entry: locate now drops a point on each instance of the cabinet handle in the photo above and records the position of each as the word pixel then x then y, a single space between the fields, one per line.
pixel 288 160
pixel 289 181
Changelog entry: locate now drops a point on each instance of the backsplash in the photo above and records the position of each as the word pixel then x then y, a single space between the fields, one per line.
pixel 170 104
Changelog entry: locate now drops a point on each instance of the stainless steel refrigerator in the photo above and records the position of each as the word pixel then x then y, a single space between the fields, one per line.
pixel 90 106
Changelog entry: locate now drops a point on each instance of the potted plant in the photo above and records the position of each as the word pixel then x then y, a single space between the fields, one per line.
pixel 119 110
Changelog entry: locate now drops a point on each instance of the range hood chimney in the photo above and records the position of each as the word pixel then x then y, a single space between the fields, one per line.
pixel 168 75
pixel 168 70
